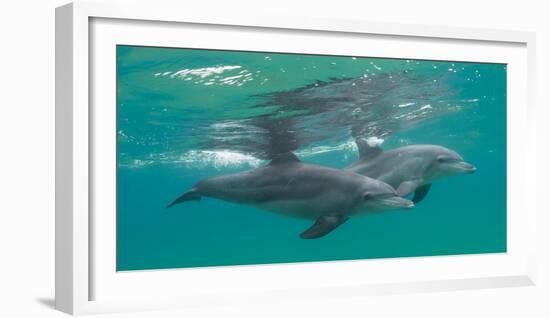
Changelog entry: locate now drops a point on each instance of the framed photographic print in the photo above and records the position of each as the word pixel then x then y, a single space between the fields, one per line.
pixel 209 160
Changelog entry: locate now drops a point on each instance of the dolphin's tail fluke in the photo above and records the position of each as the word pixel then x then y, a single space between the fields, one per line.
pixel 190 195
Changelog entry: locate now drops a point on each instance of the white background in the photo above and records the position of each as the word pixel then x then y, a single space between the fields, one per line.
pixel 27 160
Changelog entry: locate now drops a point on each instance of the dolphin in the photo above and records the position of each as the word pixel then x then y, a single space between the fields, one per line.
pixel 409 169
pixel 290 187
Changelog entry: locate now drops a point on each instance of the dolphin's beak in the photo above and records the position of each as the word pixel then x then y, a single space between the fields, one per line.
pixel 466 167
pixel 397 202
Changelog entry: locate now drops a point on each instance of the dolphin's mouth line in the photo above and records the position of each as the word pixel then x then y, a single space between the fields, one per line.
pixel 466 167
pixel 397 202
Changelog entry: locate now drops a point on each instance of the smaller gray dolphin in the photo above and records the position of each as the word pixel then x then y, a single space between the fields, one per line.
pixel 411 168
pixel 290 187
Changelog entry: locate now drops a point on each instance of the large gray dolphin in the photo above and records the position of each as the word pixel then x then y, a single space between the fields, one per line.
pixel 290 187
pixel 411 168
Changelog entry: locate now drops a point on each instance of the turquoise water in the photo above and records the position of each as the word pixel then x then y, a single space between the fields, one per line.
pixel 184 115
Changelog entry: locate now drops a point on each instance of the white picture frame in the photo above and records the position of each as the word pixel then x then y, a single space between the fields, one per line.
pixel 79 262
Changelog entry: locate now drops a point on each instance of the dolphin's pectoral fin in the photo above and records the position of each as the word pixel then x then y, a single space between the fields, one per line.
pixel 421 192
pixel 407 187
pixel 323 225
pixel 191 195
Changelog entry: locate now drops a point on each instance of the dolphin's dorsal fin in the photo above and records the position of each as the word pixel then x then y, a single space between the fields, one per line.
pixel 367 151
pixel 286 157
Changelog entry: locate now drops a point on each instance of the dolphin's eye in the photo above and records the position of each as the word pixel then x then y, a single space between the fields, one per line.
pixel 441 160
pixel 366 196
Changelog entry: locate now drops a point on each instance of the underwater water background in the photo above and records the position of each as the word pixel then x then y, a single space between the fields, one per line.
pixel 184 115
